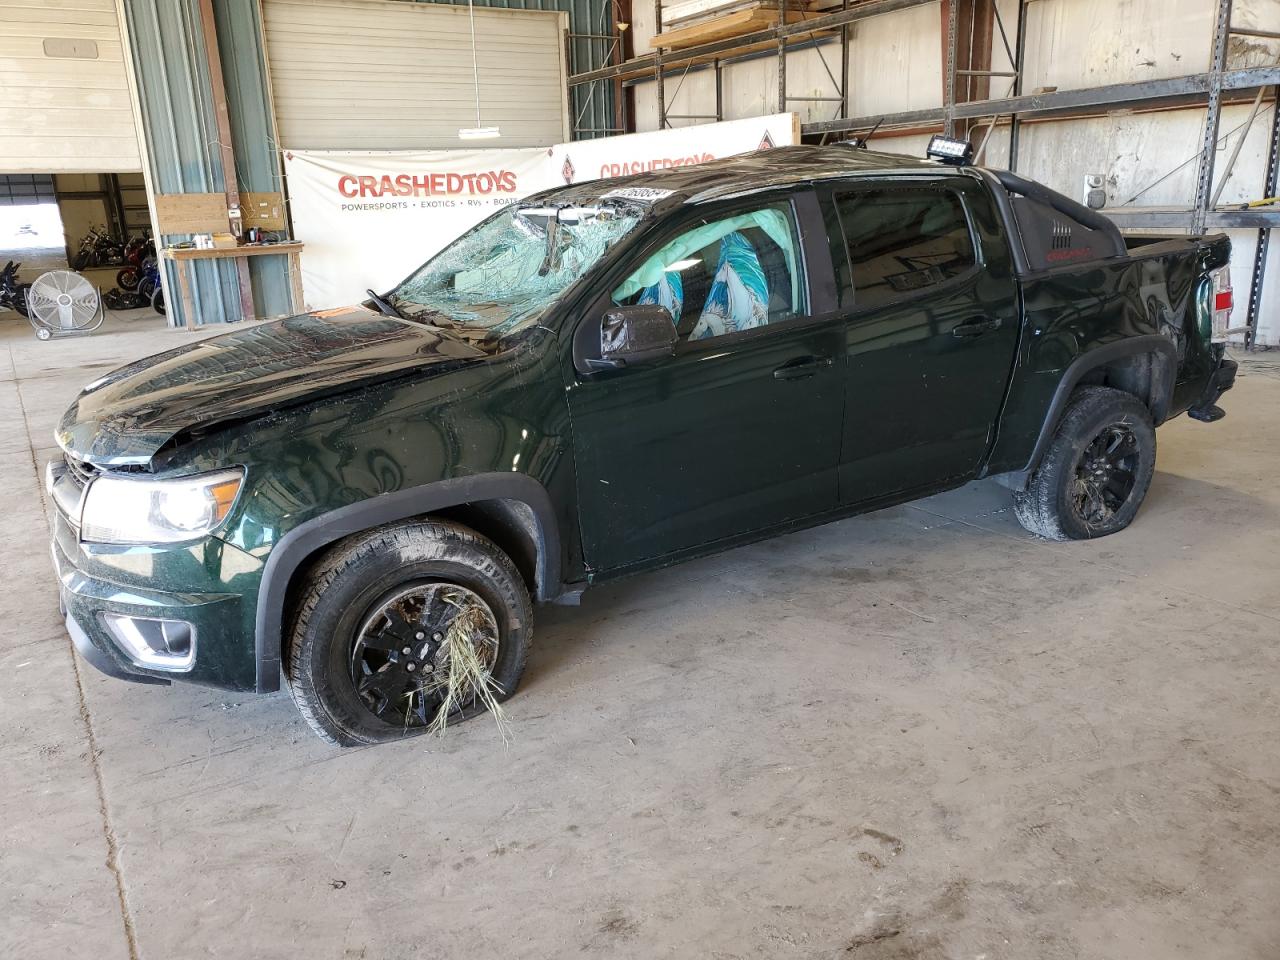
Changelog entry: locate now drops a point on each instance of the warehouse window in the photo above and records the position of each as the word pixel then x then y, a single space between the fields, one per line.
pixel 899 241
pixel 24 188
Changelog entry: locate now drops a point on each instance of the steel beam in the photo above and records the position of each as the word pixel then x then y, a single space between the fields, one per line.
pixel 1264 235
pixel 844 62
pixel 719 91
pixel 782 65
pixel 951 10
pixel 1250 32
pixel 1174 90
pixel 1019 64
pixel 644 65
pixel 1213 113
pixel 657 67
pixel 1182 218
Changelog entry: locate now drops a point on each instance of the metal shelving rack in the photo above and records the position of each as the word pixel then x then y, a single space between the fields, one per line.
pixel 1208 89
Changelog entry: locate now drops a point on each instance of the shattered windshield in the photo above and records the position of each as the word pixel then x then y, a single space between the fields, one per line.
pixel 500 276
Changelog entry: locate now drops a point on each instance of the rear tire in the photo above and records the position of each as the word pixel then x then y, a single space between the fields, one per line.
pixel 343 593
pixel 1096 472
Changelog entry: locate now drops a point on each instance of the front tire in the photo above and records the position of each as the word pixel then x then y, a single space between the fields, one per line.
pixel 1096 472
pixel 370 618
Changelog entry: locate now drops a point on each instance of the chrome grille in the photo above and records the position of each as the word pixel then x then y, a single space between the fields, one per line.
pixel 79 471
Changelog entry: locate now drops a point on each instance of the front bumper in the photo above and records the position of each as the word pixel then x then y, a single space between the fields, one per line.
pixel 101 660
pixel 204 584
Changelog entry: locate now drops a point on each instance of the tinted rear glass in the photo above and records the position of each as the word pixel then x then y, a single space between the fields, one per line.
pixel 899 241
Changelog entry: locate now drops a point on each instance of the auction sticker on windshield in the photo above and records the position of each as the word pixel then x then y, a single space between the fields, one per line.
pixel 643 194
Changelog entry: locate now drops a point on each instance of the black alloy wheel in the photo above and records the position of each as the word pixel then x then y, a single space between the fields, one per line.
pixel 1096 471
pixel 1106 475
pixel 391 626
pixel 400 658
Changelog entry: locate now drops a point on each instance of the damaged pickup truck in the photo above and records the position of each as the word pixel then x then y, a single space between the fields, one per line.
pixel 604 379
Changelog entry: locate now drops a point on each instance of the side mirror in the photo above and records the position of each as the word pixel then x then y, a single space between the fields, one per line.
pixel 635 335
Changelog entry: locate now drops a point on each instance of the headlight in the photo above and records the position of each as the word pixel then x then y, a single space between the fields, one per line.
pixel 128 510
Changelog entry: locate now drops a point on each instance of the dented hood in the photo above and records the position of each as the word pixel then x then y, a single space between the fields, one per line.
pixel 128 415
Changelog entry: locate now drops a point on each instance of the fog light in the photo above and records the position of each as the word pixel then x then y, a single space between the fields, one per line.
pixel 155 644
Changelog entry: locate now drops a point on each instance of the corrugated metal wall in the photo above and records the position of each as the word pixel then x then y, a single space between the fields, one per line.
pixel 181 132
pixel 253 135
pixel 591 106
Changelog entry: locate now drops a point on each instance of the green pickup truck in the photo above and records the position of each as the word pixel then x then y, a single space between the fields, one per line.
pixel 607 378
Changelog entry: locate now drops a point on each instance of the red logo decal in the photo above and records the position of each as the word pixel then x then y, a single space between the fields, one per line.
pixel 428 184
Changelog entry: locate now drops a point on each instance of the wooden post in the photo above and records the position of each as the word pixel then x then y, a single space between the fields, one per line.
pixel 184 288
pixel 295 283
pixel 219 89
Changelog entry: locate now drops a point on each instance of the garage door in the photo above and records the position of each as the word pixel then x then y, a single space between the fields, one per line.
pixel 397 76
pixel 64 97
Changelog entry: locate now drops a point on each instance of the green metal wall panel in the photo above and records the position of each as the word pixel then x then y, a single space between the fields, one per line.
pixel 181 131
pixel 244 73
pixel 166 43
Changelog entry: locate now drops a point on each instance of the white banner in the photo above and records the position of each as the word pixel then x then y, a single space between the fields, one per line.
pixel 369 218
pixel 664 149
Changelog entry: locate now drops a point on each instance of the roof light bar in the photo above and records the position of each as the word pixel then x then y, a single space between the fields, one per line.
pixel 949 150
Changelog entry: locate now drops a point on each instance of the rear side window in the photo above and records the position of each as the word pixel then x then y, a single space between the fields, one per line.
pixel 899 241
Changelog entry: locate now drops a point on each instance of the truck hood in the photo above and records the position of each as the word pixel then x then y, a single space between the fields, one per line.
pixel 131 413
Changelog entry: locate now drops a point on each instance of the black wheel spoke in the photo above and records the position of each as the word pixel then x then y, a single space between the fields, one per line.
pixel 384 641
pixel 381 690
pixel 1123 445
pixel 402 649
pixel 1117 488
pixel 1097 506
pixel 400 628
pixel 1105 475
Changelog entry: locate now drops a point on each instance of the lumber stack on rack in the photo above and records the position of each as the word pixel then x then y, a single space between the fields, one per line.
pixel 687 23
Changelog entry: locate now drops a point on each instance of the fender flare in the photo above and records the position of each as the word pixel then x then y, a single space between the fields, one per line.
pixel 1164 374
pixel 303 541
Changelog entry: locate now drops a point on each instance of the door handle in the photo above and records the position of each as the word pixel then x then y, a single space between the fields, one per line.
pixel 801 367
pixel 976 327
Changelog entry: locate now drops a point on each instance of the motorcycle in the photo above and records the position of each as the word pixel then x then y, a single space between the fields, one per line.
pixel 135 252
pixel 97 249
pixel 150 283
pixel 148 291
pixel 12 293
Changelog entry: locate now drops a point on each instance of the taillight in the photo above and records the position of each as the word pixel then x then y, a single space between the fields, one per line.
pixel 1223 302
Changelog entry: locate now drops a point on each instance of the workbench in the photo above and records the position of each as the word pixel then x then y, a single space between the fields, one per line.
pixel 181 255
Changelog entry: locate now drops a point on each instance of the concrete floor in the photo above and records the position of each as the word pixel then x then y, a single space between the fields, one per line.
pixel 915 734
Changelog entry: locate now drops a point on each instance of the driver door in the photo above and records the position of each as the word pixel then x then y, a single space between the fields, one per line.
pixel 739 430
